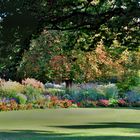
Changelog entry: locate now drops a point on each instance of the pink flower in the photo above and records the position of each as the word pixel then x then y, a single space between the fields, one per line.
pixel 122 102
pixel 103 102
pixel 33 82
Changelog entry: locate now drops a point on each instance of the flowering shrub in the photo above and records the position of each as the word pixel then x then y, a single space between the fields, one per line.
pixel 29 106
pixel 103 102
pixel 87 103
pixel 32 93
pixel 122 103
pixel 79 104
pixel 1 81
pixel 54 102
pixel 33 82
pixel 41 103
pixel 13 105
pixel 22 106
pixel 3 107
pixel 8 105
pixel 65 103
pixel 9 88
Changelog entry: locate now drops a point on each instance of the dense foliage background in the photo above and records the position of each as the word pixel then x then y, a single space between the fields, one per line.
pixel 81 41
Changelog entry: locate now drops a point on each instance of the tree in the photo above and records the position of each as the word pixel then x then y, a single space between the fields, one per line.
pixel 48 59
pixel 101 19
pixel 16 32
pixel 131 75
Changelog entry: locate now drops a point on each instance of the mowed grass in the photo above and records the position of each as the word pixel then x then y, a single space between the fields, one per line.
pixel 71 124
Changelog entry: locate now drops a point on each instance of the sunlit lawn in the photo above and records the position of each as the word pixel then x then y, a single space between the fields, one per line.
pixel 71 124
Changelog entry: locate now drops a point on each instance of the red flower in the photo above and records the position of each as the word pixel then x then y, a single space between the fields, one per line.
pixel 79 104
pixel 72 101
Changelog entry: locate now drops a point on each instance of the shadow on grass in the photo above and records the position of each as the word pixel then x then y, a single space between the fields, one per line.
pixel 50 135
pixel 29 134
pixel 116 108
pixel 121 108
pixel 103 125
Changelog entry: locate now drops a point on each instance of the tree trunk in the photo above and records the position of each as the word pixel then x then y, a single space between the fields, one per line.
pixel 68 85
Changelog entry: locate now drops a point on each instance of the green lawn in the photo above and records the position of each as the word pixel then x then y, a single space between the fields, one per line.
pixel 71 124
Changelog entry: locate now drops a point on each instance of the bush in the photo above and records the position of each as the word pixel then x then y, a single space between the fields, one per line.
pixel 129 82
pixel 9 89
pixel 108 91
pixel 21 98
pixel 7 105
pixel 34 83
pixel 1 81
pixel 136 89
pixel 113 102
pixel 88 103
pixel 96 93
pixel 32 93
pixel 41 103
pixel 122 103
pixel 65 103
pixel 132 96
pixel 103 102
pixel 79 95
pixel 54 102
pixel 135 104
pixel 74 106
pixel 55 92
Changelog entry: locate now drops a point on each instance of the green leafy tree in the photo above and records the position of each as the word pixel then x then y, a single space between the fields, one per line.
pixel 95 20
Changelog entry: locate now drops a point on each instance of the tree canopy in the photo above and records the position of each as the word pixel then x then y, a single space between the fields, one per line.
pixel 87 22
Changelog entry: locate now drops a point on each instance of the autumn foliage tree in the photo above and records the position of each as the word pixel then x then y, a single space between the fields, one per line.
pixel 23 20
pixel 49 60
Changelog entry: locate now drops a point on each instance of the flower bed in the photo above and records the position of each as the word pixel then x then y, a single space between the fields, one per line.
pixel 31 94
